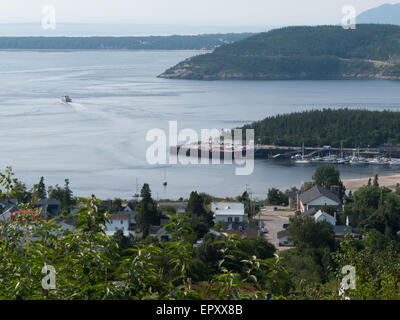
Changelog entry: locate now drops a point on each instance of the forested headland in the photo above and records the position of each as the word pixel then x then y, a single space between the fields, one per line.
pixel 320 52
pixel 353 128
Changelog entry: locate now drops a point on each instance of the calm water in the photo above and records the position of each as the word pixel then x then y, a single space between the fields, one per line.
pixel 98 142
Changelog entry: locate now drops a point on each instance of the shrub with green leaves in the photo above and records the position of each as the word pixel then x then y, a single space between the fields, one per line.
pixel 89 264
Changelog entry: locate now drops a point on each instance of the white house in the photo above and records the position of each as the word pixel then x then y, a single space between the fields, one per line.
pixel 228 212
pixel 317 197
pixel 323 216
pixel 118 221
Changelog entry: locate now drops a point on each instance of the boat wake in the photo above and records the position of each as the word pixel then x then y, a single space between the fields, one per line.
pixel 77 106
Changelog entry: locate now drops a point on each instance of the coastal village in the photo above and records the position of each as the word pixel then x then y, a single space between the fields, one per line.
pixel 270 222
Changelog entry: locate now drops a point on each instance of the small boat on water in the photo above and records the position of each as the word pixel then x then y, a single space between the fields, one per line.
pixel 301 158
pixel 164 181
pixel 66 99
pixel 342 161
pixel 377 161
pixel 357 160
pixel 394 162
pixel 296 157
pixel 302 161
pixel 316 159
pixel 330 158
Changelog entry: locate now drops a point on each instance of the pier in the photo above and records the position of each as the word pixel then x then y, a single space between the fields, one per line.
pixel 276 152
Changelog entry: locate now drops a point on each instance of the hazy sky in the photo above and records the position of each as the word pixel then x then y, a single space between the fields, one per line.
pixel 190 12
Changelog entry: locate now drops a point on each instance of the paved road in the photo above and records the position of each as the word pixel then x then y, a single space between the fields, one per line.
pixel 274 221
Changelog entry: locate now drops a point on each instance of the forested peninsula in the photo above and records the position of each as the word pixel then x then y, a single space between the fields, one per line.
pixel 370 51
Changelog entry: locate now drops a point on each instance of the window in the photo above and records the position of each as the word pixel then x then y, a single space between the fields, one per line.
pixel 122 221
pixel 236 219
pixel 230 219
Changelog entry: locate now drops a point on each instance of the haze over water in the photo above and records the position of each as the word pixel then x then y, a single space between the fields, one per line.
pixel 98 141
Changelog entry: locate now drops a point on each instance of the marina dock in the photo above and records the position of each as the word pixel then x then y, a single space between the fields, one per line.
pixel 278 152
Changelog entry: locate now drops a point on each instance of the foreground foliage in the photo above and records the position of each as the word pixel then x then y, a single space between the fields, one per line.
pixel 92 266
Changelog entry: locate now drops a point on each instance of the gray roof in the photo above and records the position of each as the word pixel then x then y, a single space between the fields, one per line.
pixel 177 205
pixel 9 209
pixel 50 202
pixel 309 213
pixel 227 209
pixel 70 222
pixel 343 229
pixel 316 192
pixel 8 201
pixel 154 230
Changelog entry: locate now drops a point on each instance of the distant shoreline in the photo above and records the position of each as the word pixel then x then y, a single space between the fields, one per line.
pixel 114 50
pixel 388 181
pixel 172 42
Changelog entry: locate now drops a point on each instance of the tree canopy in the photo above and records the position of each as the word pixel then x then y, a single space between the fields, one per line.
pixel 330 127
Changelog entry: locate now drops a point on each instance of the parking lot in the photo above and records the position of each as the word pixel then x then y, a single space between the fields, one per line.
pixel 273 222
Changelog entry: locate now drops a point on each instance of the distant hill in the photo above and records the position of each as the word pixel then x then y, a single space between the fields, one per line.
pixel 177 42
pixel 384 14
pixel 324 52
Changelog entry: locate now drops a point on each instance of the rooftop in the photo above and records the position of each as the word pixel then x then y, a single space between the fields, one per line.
pixel 316 192
pixel 120 216
pixel 228 209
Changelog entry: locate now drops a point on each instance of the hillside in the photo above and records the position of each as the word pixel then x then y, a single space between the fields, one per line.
pixel 322 52
pixel 206 41
pixel 385 14
pixel 330 127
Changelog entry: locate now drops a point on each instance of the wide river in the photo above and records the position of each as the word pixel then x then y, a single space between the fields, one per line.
pixel 99 141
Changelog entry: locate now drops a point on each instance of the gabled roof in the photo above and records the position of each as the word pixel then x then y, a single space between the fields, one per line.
pixel 326 215
pixel 309 213
pixel 343 229
pixel 154 229
pixel 228 209
pixel 8 211
pixel 316 192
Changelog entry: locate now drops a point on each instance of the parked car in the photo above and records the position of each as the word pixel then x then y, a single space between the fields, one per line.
pixel 264 230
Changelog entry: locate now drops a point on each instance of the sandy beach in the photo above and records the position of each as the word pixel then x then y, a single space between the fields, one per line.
pixel 384 181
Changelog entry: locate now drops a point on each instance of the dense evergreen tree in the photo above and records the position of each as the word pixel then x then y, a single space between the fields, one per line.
pixel 21 192
pixel 148 213
pixel 41 190
pixel 375 208
pixel 64 194
pixel 306 233
pixel 277 197
pixel 200 218
pixel 116 205
pixel 327 176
